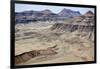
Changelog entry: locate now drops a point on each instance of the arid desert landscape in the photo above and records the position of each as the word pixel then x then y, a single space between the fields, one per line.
pixel 52 39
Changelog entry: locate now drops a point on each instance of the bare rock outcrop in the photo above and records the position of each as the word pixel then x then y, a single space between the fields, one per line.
pixel 72 28
pixel 80 23
pixel 35 53
pixel 84 23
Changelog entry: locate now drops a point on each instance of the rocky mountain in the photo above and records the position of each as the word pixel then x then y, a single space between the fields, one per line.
pixel 69 13
pixel 28 16
pixel 89 13
pixel 35 13
pixel 48 13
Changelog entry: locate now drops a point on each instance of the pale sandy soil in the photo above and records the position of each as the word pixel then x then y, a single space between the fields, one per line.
pixel 72 48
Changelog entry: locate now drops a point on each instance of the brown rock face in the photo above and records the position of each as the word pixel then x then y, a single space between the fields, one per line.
pixel 81 23
pixel 25 56
pixel 72 28
pixel 31 54
pixel 84 23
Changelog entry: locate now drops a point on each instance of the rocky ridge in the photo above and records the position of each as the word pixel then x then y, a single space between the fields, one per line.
pixel 45 15
pixel 84 23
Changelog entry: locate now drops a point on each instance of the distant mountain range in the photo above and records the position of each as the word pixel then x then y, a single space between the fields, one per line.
pixel 31 16
pixel 69 13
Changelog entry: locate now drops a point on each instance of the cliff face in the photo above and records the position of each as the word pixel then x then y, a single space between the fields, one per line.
pixel 72 28
pixel 84 23
pixel 80 23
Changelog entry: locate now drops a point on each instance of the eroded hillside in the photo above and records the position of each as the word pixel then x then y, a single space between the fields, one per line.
pixel 71 40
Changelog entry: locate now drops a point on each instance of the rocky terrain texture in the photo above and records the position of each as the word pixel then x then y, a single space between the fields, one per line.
pixel 83 23
pixel 45 42
pixel 32 54
pixel 69 13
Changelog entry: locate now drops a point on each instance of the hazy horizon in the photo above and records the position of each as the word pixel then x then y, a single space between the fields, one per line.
pixel 54 9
